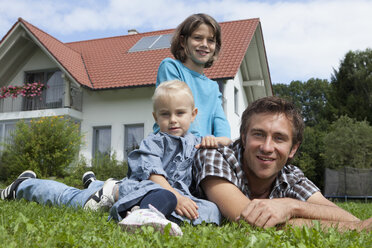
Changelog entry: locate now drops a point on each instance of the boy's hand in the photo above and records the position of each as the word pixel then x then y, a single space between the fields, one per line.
pixel 213 142
pixel 187 207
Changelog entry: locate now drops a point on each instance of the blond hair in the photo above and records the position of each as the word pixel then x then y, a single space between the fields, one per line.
pixel 172 88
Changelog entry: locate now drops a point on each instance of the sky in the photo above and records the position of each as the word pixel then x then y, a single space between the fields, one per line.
pixel 303 38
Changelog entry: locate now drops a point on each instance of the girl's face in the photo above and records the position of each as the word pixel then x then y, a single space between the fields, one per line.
pixel 200 47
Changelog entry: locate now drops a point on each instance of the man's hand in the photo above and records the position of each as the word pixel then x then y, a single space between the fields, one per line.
pixel 187 207
pixel 266 212
pixel 365 225
pixel 213 142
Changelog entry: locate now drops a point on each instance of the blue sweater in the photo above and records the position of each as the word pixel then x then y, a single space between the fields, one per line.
pixel 211 119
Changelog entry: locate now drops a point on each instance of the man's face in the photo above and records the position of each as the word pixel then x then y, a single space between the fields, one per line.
pixel 268 146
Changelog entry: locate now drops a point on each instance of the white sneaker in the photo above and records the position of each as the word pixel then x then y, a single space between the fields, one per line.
pixel 149 217
pixel 103 199
pixel 135 208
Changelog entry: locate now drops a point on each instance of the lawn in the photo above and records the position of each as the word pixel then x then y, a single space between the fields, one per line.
pixel 27 224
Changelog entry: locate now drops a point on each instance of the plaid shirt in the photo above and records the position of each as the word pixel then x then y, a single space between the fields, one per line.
pixel 225 162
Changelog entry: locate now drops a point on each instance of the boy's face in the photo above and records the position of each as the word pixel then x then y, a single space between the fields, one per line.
pixel 267 145
pixel 201 46
pixel 174 114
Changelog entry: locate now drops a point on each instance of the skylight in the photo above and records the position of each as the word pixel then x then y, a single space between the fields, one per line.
pixel 151 43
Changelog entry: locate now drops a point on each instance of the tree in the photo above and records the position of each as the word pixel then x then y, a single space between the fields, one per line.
pixel 309 158
pixel 351 92
pixel 310 97
pixel 348 144
pixel 46 145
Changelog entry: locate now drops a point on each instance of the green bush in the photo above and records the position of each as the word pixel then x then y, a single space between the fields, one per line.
pixel 104 167
pixel 308 157
pixel 46 145
pixel 349 143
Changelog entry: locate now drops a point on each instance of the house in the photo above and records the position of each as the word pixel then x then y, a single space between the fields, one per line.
pixel 106 84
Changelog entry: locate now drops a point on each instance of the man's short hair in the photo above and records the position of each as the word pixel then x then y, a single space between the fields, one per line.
pixel 274 105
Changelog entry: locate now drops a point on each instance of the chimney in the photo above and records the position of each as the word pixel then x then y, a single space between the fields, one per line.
pixel 132 31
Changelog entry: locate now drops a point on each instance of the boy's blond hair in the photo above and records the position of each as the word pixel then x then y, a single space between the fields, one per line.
pixel 172 88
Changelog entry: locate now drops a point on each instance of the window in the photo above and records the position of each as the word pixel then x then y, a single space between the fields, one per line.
pixel 101 141
pixel 236 101
pixel 6 130
pixel 133 137
pixel 52 97
pixel 152 43
pixel 221 87
pixel 55 90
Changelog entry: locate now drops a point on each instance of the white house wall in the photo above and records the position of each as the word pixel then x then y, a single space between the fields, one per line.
pixel 231 115
pixel 115 108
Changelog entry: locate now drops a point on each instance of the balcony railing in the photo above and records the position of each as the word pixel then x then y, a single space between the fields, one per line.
pixel 52 97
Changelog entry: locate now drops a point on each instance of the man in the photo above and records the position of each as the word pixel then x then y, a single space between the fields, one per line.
pixel 251 180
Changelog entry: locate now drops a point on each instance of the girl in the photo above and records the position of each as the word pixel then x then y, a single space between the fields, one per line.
pixel 196 44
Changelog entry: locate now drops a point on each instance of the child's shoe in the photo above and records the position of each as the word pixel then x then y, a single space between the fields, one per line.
pixel 103 199
pixel 9 193
pixel 87 178
pixel 149 217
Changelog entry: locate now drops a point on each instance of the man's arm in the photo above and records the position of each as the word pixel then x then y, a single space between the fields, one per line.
pixel 234 205
pixel 340 225
pixel 271 212
pixel 318 207
pixel 229 199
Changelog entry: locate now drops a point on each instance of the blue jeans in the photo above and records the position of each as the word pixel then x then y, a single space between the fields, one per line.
pixel 162 199
pixel 49 192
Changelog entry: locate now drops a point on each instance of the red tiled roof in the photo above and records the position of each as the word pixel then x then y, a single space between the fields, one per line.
pixel 71 60
pixel 106 63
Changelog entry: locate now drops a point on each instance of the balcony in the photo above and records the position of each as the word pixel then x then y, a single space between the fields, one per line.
pixel 53 97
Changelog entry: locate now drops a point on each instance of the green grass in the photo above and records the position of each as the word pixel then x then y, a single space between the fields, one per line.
pixel 27 224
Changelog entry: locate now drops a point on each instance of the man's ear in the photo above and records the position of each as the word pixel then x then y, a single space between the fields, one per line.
pixel 154 115
pixel 243 141
pixel 293 150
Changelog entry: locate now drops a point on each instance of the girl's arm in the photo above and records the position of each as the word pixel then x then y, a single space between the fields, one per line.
pixel 185 206
pixel 221 126
pixel 213 142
